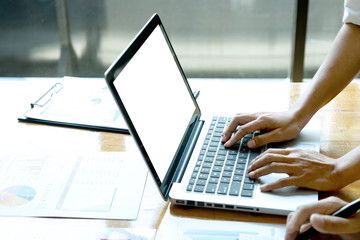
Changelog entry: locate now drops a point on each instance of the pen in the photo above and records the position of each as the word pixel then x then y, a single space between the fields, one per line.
pixel 343 212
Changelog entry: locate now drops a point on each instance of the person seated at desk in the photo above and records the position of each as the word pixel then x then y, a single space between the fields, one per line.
pixel 307 168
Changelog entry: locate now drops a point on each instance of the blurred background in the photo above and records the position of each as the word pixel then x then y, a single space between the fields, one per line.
pixel 212 38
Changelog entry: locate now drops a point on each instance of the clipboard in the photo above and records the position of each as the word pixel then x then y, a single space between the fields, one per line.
pixel 83 103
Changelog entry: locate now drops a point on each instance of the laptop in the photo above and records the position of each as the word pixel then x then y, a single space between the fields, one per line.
pixel 183 150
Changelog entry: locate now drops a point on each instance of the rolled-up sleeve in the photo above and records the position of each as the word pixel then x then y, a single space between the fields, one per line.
pixel 352 12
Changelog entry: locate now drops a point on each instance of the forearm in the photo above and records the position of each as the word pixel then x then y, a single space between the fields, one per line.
pixel 341 65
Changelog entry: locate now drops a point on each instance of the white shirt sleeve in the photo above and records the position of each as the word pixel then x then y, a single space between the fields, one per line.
pixel 352 12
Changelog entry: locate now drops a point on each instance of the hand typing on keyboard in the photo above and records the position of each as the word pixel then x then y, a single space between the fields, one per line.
pixel 279 126
pixel 305 168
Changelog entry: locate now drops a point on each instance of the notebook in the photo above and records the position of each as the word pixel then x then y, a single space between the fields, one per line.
pixel 153 94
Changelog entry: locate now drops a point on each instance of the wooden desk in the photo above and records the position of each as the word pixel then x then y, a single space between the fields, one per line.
pixel 340 134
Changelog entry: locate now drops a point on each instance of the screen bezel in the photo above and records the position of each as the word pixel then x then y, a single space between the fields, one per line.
pixel 111 75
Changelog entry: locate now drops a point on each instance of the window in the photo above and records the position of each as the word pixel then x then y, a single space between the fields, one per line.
pixel 230 38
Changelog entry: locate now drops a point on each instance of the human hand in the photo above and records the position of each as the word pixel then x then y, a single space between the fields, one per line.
pixel 305 168
pixel 279 126
pixel 317 215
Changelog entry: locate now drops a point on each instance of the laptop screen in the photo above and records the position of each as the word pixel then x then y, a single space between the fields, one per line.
pixel 152 89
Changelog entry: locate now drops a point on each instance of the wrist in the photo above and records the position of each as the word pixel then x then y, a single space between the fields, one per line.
pixel 347 168
pixel 340 175
pixel 301 114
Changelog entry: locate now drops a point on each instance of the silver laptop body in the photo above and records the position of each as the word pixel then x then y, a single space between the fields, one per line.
pixel 152 92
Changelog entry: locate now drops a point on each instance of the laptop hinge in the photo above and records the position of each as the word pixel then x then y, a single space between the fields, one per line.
pixel 188 150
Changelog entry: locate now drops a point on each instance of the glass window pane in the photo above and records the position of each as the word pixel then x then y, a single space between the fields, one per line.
pixel 232 38
pixel 324 22
pixel 29 42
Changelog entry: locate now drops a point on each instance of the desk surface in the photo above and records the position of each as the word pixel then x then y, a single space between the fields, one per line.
pixel 340 134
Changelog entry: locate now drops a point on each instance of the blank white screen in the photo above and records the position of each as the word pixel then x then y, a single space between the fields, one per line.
pixel 157 100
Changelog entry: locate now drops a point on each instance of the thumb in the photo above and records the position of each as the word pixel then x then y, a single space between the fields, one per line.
pixel 330 224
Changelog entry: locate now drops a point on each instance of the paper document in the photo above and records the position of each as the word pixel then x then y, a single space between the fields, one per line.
pixel 96 185
pixel 193 229
pixel 78 102
pixel 68 229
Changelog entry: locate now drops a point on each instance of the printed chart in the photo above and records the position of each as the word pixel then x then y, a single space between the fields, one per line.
pixel 16 195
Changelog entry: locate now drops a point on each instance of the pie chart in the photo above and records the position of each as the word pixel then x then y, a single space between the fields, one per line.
pixel 16 195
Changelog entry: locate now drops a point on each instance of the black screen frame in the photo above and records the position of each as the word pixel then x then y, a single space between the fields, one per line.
pixel 110 76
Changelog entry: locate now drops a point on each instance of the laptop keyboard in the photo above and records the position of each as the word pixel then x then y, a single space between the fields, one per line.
pixel 221 170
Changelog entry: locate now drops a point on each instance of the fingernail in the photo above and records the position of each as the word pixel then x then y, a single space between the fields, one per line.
pixel 251 144
pixel 264 188
pixel 251 175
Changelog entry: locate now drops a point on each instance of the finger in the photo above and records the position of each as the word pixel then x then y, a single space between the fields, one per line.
pixel 268 137
pixel 294 222
pixel 303 213
pixel 273 167
pixel 331 224
pixel 281 183
pixel 305 227
pixel 249 128
pixel 239 119
pixel 235 137
pixel 270 156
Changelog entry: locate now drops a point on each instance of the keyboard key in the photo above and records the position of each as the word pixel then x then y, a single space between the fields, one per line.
pixel 203 176
pixel 235 188
pixel 212 149
pixel 248 180
pixel 207 165
pixel 222 119
pixel 216 139
pixel 217 168
pixel 237 178
pixel 201 182
pixel 189 187
pixel 219 163
pixel 217 134
pixel 205 170
pixel 192 181
pixel 223 188
pixel 211 188
pixel 219 129
pixel 228 168
pixel 239 172
pixel 227 174
pixel 230 163
pixel 248 186
pixel 240 166
pixel 243 155
pixel 199 188
pixel 209 159
pixel 246 193
pixel 215 174
pixel 214 180
pixel 210 154
pixel 222 152
pixel 225 180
